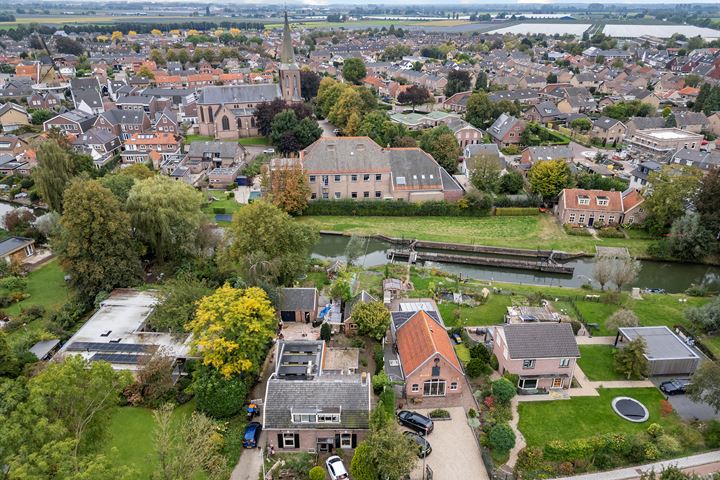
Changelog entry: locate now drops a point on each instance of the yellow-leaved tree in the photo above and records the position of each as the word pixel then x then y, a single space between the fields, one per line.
pixel 232 329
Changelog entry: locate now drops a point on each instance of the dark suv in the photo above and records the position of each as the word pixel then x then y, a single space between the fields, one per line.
pixel 675 386
pixel 414 421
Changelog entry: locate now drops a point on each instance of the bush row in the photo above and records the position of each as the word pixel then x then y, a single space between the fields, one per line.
pixel 463 208
pixel 516 211
pixel 577 231
pixel 611 232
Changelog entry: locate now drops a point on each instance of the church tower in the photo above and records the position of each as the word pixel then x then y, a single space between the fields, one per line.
pixel 289 70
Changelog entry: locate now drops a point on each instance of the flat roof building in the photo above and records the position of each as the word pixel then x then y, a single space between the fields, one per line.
pixel 666 353
pixel 665 140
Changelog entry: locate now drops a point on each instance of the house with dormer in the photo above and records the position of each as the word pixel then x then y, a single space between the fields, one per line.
pixel 581 207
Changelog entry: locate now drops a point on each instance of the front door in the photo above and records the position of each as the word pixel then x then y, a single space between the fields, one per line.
pixel 557 383
pixel 590 221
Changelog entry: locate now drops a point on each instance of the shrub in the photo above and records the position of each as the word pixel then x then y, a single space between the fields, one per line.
pixel 501 438
pixel 666 408
pixel 325 332
pixel 316 473
pixel 13 283
pixel 576 326
pixel 577 231
pixel 514 378
pixel 219 210
pixel 475 368
pixel 494 363
pixel 481 352
pixel 524 201
pixel 668 444
pixel 379 358
pixel 217 396
pixel 6 301
pixel 69 314
pixel 696 290
pixel 529 459
pixel 611 232
pixel 464 208
pixel 33 312
pixel 711 433
pixel 472 413
pixel 503 390
pixel 439 413
pixel 379 382
pixel 516 211
pixel 655 430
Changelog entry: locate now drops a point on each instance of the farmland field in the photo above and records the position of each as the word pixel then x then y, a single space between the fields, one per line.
pixel 661 31
pixel 548 28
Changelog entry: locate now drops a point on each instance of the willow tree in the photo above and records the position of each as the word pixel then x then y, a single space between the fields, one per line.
pixel 53 172
pixel 166 217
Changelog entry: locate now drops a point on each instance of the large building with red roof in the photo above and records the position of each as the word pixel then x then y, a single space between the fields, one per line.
pixel 577 206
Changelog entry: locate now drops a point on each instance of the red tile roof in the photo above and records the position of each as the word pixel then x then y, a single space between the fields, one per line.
pixel 419 339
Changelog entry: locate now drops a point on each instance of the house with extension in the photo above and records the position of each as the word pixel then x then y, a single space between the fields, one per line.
pixel 581 207
pixel 426 360
pixel 315 401
pixel 608 131
pixel 506 130
pixel 358 168
pixel 298 304
pixel 13 117
pixel 542 354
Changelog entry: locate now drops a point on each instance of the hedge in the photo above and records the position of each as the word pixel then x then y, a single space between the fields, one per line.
pixel 516 211
pixel 610 233
pixel 219 210
pixel 502 201
pixel 577 231
pixel 386 208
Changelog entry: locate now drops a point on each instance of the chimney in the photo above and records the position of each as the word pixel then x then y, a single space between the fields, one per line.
pixel 363 378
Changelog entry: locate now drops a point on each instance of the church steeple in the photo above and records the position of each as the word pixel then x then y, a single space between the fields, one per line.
pixel 287 54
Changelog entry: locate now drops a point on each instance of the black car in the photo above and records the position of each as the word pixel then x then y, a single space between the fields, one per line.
pixel 423 446
pixel 675 386
pixel 414 421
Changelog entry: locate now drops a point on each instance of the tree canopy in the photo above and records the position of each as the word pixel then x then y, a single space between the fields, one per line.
pixel 548 178
pixel 372 319
pixel 56 166
pixel 441 143
pixel 289 189
pixel 673 187
pixel 354 70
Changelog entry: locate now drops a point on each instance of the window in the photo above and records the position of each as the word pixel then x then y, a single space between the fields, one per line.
pixel 378 177
pixel 603 201
pixel 611 219
pixel 225 123
pixel 528 383
pixel 353 178
pixel 581 219
pixel 328 418
pixel 289 440
pixel 453 386
pixel 337 178
pixel 325 180
pixel 583 200
pixel 313 196
pixel 564 362
pixel 337 194
pixel 572 218
pixel 346 440
pixel 366 177
pixel 325 195
pixel 434 388
pixel 366 194
pixel 378 194
pixel 528 364
pixel 415 387
pixel 304 418
pixel 353 194
pixel 601 218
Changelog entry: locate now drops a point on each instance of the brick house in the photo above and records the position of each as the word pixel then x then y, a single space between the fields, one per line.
pixel 139 146
pixel 313 401
pixel 428 362
pixel 74 122
pixel 16 249
pixel 506 130
pixel 608 130
pixel 578 206
pixel 543 355
pixel 298 304
pixel 13 116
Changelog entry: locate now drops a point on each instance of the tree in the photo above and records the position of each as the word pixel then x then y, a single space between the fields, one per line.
pixel 267 245
pixel 707 201
pixel 38 117
pixel 673 187
pixel 481 82
pixel 328 95
pixel 95 244
pixel 8 360
pixel 706 317
pixel 625 271
pixel 325 332
pixel 138 171
pixel 68 45
pixel 603 270
pixel 581 124
pixel 623 318
pixel 415 95
pixel 485 175
pixel 354 70
pixel 290 134
pixel 119 184
pixel 145 72
pixel 309 84
pixel 55 168
pixel 265 113
pixel 154 380
pixel 705 385
pixel 501 438
pixel 503 390
pixel 289 189
pixel 372 319
pixel 340 288
pixel 443 146
pixel 457 81
pixel 178 298
pixel 361 465
pixel 79 394
pixel 548 178
pixel 166 217
pixel 689 239
pixel 316 473
pixel 218 396
pixel 376 125
pixel 187 447
pixel 630 360
pixel 475 367
pixel 387 451
pixel 232 329
pixel 481 112
pixel 511 183
pixel 551 78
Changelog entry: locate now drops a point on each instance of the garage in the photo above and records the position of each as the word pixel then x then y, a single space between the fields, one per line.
pixel 287 316
pixel 667 354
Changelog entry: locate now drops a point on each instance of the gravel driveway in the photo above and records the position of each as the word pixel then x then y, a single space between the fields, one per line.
pixel 455 455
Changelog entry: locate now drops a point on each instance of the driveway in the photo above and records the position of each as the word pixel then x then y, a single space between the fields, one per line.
pixel 328 128
pixel 250 465
pixel 686 408
pixel 455 453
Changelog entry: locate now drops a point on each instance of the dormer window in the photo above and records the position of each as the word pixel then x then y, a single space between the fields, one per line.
pixel 603 201
pixel 583 200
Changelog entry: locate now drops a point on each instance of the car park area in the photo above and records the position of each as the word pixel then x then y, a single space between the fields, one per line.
pixel 684 406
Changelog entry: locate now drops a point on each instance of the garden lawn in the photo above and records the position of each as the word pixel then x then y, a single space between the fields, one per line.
pixel 664 309
pixel 582 417
pixel 597 362
pixel 463 353
pixel 530 232
pixel 242 141
pixel 597 312
pixel 492 312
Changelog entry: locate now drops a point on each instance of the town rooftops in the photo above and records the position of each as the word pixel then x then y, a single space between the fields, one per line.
pixel 502 126
pixel 222 149
pixel 540 340
pixel 661 342
pixel 239 94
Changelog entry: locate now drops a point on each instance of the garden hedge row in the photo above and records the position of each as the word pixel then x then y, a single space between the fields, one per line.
pixel 395 209
pixel 516 211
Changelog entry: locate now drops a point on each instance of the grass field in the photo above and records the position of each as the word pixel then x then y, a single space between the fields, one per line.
pixel 99 19
pixel 463 353
pixel 596 361
pixel 263 141
pixel 530 232
pixel 490 313
pixel 581 417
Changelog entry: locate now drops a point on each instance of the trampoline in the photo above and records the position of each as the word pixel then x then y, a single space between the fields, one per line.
pixel 630 409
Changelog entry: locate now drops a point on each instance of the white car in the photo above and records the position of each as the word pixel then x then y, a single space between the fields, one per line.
pixel 269 150
pixel 336 468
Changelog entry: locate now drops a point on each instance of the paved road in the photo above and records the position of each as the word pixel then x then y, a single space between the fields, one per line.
pixel 250 465
pixel 328 128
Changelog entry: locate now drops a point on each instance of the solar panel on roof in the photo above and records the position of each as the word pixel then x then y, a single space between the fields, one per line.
pixel 110 347
pixel 118 358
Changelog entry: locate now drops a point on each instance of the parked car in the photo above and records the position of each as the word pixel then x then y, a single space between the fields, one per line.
pixel 423 446
pixel 251 438
pixel 269 150
pixel 457 338
pixel 675 386
pixel 336 468
pixel 414 421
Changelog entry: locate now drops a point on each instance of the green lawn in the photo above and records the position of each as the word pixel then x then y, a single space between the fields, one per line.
pixel 463 353
pixel 531 232
pixel 491 312
pixel 243 141
pixel 597 312
pixel 581 417
pixel 596 361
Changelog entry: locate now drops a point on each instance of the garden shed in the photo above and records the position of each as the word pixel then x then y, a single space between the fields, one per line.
pixel 667 354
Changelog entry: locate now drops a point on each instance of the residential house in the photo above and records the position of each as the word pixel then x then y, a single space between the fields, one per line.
pixel 705 161
pixel 46 101
pixel 14 250
pixel 349 326
pixel 664 140
pixel 149 147
pixel 166 122
pixel 99 144
pixel 713 125
pixel 87 95
pixel 640 175
pixel 142 103
pixel 203 156
pixel 72 122
pixel 12 145
pixel 532 155
pixel 579 207
pixel 577 104
pixel 643 123
pixel 314 401
pixel 694 122
pixel 458 102
pixel 359 168
pixel 608 131
pixel 123 123
pixel 484 150
pixel 543 112
pixel 543 355
pixel 298 304
pixel 506 130
pixel 13 117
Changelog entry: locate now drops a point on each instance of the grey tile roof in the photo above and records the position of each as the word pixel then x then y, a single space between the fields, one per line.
pixel 224 149
pixel 12 244
pixel 329 393
pixel 238 94
pixel 293 299
pixel 362 297
pixel 541 340
pixel 605 122
pixel 502 126
pixel 643 123
pixel 417 168
pixel 400 318
pixel 552 152
pixel 344 154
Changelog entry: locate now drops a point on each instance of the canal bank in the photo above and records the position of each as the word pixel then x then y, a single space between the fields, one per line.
pixel 670 276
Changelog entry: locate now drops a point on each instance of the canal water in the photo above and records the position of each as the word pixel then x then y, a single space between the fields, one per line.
pixel 673 277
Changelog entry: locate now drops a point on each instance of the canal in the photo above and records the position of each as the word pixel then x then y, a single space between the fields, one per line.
pixel 673 277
